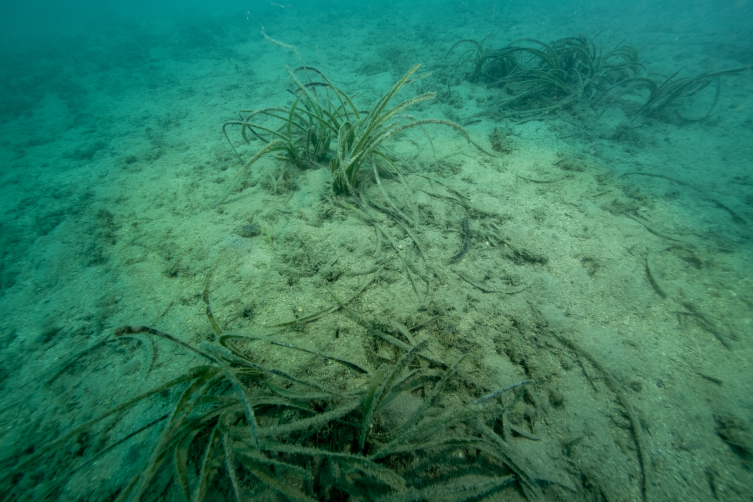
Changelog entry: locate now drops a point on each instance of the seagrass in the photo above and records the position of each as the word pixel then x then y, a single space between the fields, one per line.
pixel 224 412
pixel 539 78
pixel 302 134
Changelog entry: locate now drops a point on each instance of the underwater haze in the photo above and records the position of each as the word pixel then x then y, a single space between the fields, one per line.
pixel 376 251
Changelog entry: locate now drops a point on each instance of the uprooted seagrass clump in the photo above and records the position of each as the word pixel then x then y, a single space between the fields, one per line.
pixel 239 429
pixel 323 125
pixel 538 78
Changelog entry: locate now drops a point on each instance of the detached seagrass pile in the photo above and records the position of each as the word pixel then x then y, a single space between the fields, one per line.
pixel 539 78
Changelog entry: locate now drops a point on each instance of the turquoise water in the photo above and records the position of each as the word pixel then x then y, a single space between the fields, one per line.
pixel 589 239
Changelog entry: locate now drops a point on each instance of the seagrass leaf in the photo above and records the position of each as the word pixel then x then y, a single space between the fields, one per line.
pixel 401 364
pixel 182 409
pixel 56 443
pixel 202 420
pixel 496 447
pixel 375 471
pixel 497 393
pixel 128 436
pixel 445 442
pixel 384 389
pixel 262 459
pixel 429 401
pixel 207 470
pixel 282 486
pixel 145 477
pixel 376 385
pixel 310 423
pixel 292 116
pixel 188 399
pixel 241 391
pixel 376 124
pixel 180 459
pixel 276 401
pixel 230 464
pixel 363 322
pixel 310 98
pixel 471 487
pixel 126 491
pixel 244 170
pixel 242 360
pixel 552 62
pixel 345 99
pixel 377 110
pixel 329 310
pixel 60 369
pixel 432 426
pixel 223 341
pixel 300 396
pixel 479 47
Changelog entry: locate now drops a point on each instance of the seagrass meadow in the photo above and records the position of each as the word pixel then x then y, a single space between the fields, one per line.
pixel 429 251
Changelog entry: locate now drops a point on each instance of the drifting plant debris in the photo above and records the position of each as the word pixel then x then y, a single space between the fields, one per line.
pixel 644 455
pixel 704 193
pixel 466 235
pixel 663 94
pixel 539 78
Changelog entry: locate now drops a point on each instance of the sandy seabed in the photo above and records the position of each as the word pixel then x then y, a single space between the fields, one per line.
pixel 608 259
